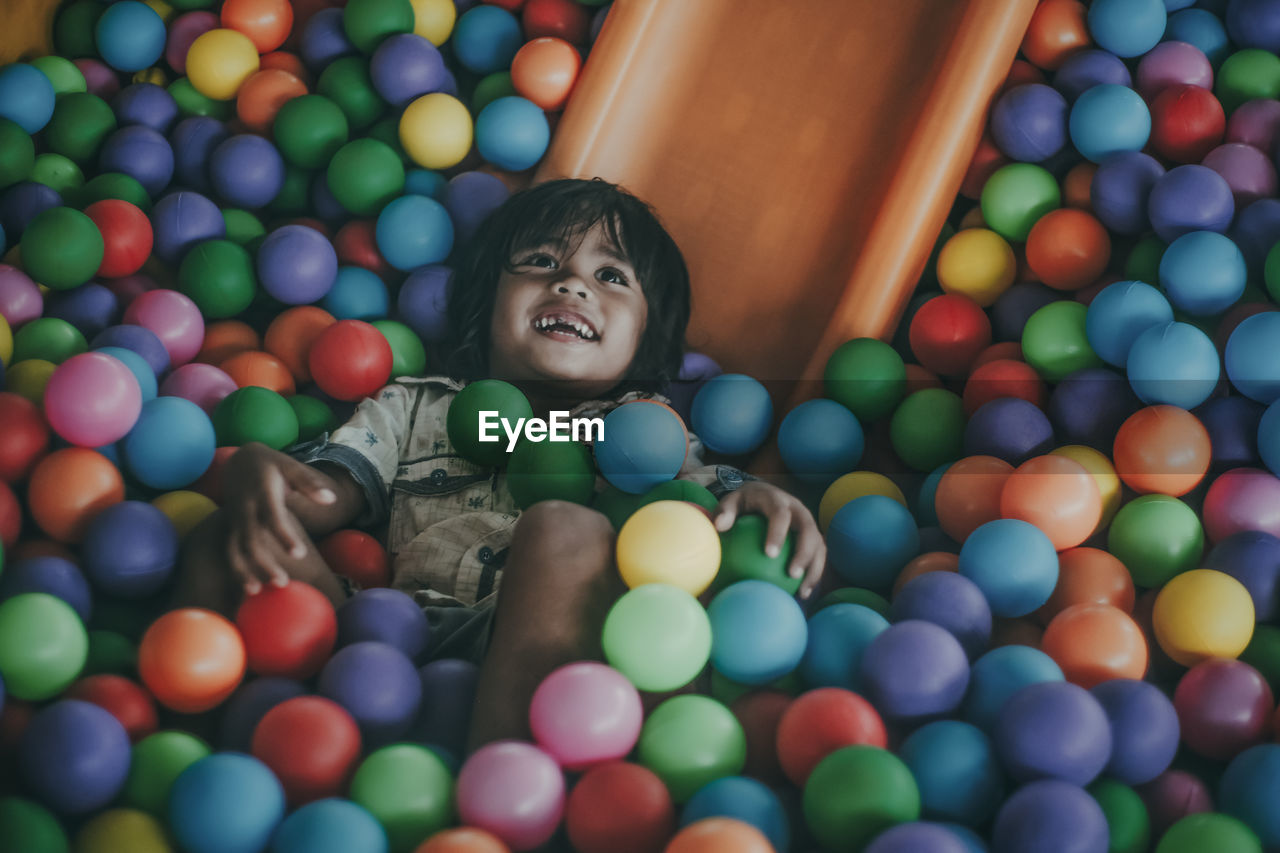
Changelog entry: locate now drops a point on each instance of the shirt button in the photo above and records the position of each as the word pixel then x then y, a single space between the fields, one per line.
pixel 439 475
pixel 485 554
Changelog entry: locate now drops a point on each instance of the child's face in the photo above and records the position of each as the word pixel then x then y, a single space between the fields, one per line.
pixel 574 319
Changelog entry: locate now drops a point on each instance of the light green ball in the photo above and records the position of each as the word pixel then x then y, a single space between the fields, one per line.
pixel 43 646
pixel 409 790
pixel 689 741
pixel 1054 341
pixel 1016 196
pixel 158 760
pixel 658 636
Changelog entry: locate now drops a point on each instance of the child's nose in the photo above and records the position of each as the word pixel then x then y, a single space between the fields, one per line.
pixel 572 285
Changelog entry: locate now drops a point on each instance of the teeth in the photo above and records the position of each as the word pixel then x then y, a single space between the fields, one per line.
pixel 583 330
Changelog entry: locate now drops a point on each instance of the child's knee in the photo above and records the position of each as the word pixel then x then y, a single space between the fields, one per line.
pixel 565 528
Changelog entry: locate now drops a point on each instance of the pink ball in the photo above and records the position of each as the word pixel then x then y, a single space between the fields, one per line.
pixel 174 318
pixel 1247 171
pixel 1255 123
pixel 1171 796
pixel 92 399
pixel 1170 64
pixel 20 299
pixel 184 30
pixel 99 78
pixel 1242 499
pixel 586 713
pixel 514 790
pixel 130 287
pixel 202 384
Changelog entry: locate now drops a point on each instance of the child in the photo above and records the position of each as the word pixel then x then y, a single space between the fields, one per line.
pixel 573 292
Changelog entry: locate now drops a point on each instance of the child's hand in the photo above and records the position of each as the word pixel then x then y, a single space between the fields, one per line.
pixel 784 512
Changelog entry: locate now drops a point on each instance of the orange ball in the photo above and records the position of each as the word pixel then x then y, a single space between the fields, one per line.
pixel 291 334
pixel 931 561
pixel 1057 495
pixel 1021 73
pixel 987 158
pixel 1077 186
pixel 968 494
pixel 261 369
pixel 285 61
pixel 265 22
pixel 226 338
pixel 1068 249
pixel 1011 350
pixel 719 835
pixel 973 219
pixel 1089 576
pixel 1162 449
pixel 1003 378
pixel 1094 643
pixel 1057 29
pixel 463 840
pixel 263 94
pixel 191 659
pixel 544 71
pixel 68 488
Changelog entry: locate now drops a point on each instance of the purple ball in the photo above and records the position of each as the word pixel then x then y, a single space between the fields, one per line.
pixel 182 219
pixel 406 66
pixel 99 78
pixel 1246 170
pixel 695 369
pixel 1085 69
pixel 1144 729
pixel 297 265
pixel 448 693
pixel 1257 229
pixel 21 203
pixel 384 616
pixel 20 299
pixel 951 601
pixel 1088 406
pixel 423 301
pixel 140 339
pixel 914 670
pixel 1015 306
pixel 247 171
pixel 1053 730
pixel 470 197
pixel 146 104
pixel 141 153
pixel 324 39
pixel 193 141
pixel 1189 198
pixel 202 384
pixel 323 202
pixel 1232 423
pixel 90 307
pixel 1029 122
pixel 1255 123
pixel 1051 815
pixel 130 549
pixel 1173 63
pixel 1253 558
pixel 56 576
pixel 1173 795
pixel 1120 190
pixel 74 756
pixel 917 837
pixel 1008 428
pixel 378 686
pixel 248 705
pixel 1254 23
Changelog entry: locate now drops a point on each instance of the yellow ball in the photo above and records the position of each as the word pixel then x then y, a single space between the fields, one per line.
pixel 1203 614
pixel 185 509
pixel 161 8
pixel 435 131
pixel 978 263
pixel 6 341
pixel 151 75
pixel 434 19
pixel 1104 474
pixel 219 61
pixel 852 486
pixel 29 377
pixel 122 829
pixel 671 542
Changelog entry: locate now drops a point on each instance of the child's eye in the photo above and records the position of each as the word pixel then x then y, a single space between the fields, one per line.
pixel 542 260
pixel 614 276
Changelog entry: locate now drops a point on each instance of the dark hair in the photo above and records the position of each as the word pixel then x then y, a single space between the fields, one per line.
pixel 562 212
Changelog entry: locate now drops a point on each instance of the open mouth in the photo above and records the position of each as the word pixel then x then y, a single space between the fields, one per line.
pixel 566 326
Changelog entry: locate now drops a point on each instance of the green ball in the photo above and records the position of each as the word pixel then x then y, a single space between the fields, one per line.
pixel 365 175
pixel 1271 272
pixel 1156 537
pixel 110 653
pixel 387 131
pixel 1209 831
pixel 408 789
pixel 680 490
pixel 43 646
pixel 1245 75
pixel 73 29
pixel 658 636
pixel 294 198
pixel 62 73
pixel 58 173
pixel 927 429
pixel 1016 196
pixel 408 355
pixel 81 122
pixel 1126 816
pixel 368 22
pixel 463 420
pixel 616 505
pixel 29 828
pixel 49 338
pixel 689 741
pixel 867 377
pixel 550 470
pixel 1054 341
pixel 218 276
pixel 855 595
pixel 490 88
pixel 314 417
pixel 192 103
pixel 347 83
pixel 742 556
pixel 242 226
pixel 255 414
pixel 157 761
pixel 1263 654
pixel 62 248
pixel 727 692
pixel 114 185
pixel 128 617
pixel 309 130
pixel 1143 263
pixel 857 792
pixel 17 153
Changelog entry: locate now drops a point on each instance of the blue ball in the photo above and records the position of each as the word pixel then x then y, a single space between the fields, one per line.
pixel 1203 29
pixel 1144 729
pixel 297 264
pixel 744 799
pixel 130 549
pixel 74 757
pixel 414 231
pixel 4 243
pixel 1190 198
pixel 226 801
pixel 1120 188
pixel 130 35
pixel 1250 788
pixel 424 182
pixel 146 104
pixel 1013 563
pixel 470 197
pixel 1050 815
pixel 1251 557
pixel 141 153
pixel 248 705
pixel 1084 69
pixel 23 202
pixel 54 576
pixel 1119 314
pixel 171 444
pixel 926 510
pixel 330 826
pixel 838 635
pixel 1109 119
pixel 870 539
pixel 732 414
pixel 384 616
pixel 139 339
pixel 1174 363
pixel 758 632
pixel 1252 357
pixel 26 96
pixel 512 133
pixel 324 39
pixel 914 670
pixel 357 294
pixel 404 67
pixel 951 601
pixel 137 366
pixel 1008 428
pixel 919 835
pixel 247 171
pixel 819 441
pixel 1232 423
pixel 999 674
pixel 379 687
pixel 423 301
pixel 182 219
pixel 1203 272
pixel 957 771
pixel 1053 730
pixel 91 307
pixel 486 39
pixel 1269 438
pixel 643 444
pixel 1029 122
pixel 1127 27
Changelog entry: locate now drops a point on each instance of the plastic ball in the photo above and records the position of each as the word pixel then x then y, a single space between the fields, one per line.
pixel 369 22
pixel 1055 340
pixel 408 789
pixel 92 399
pixel 183 219
pixel 544 70
pixel 246 707
pixel 689 741
pixel 1224 707
pixel 856 792
pixel 1173 363
pixel 619 808
pixel 463 422
pixel 977 263
pixel 1047 812
pixel 226 801
pixel 1008 428
pixel 934 683
pixel 1068 249
pixel 330 825
pixel 753 811
pixel 948 332
pixel 74 756
pixel 130 36
pixel 927 428
pixel 1162 449
pixel 514 790
pixel 364 176
pixel 1246 789
pixel 512 133
pixel 1203 273
pixel 464 839
pixel 26 97
pixel 740 650
pixel 986 558
pixel 185 509
pixel 871 538
pixel 865 375
pixel 1190 198
pixel 414 231
pixel 819 440
pixel 732 414
pixel 42 645
pixel 191 659
pixel 1247 170
pixel 311 745
pixel 1250 557
pixel 122 829
pixel 486 39
pixel 1119 314
pixel 378 685
pixel 62 248
pixel 1248 357
pixel 57 576
pixel 436 131
pixel 309 130
pixel 126 235
pixel 141 153
pixel 658 636
pixel 669 542
pixel 157 761
pixel 296 264
pixel 1053 730
pixel 838 636
pixel 1029 122
pixel 1084 69
pixel 584 714
pixel 643 444
pixel 385 616
pixel 1201 614
pixel 1156 537
pixel 957 770
pixel 1187 123
pixel 124 699
pixel 1095 642
pixel 171 445
pixel 951 601
pixel 247 171
pixel 1120 189
pixel 1144 729
pixel 288 631
pixel 219 61
pixel 1109 119
pixel 68 487
pixel 130 549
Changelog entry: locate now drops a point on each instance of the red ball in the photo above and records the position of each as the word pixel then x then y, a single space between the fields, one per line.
pixel 620 807
pixel 350 360
pixel 24 436
pixel 759 712
pixel 288 630
pixel 1224 707
pixel 126 236
pixel 125 700
pixel 1003 378
pixel 948 333
pixel 1187 122
pixel 563 19
pixel 356 556
pixel 10 516
pixel 820 722
pixel 312 745
pixel 357 247
pixel 210 482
